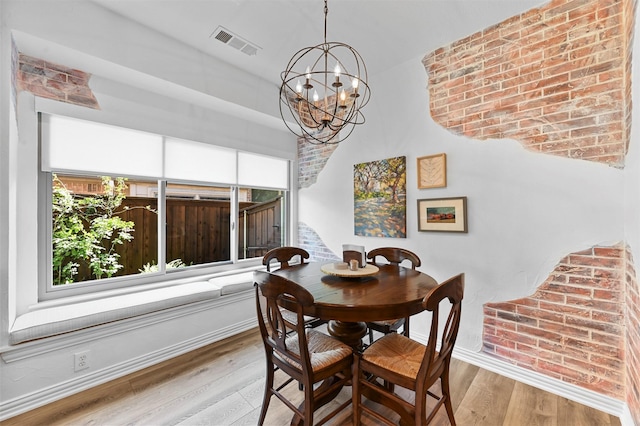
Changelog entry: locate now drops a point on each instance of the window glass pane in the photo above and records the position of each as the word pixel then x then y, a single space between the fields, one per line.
pixel 198 229
pixel 260 221
pixel 100 229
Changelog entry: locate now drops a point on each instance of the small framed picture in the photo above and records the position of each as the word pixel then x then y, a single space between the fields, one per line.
pixel 432 171
pixel 443 214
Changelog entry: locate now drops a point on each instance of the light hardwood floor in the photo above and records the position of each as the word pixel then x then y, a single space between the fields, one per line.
pixel 222 384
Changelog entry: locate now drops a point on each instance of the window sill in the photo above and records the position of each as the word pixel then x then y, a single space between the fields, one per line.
pixel 59 319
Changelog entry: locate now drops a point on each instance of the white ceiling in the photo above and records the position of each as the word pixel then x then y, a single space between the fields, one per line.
pixel 384 32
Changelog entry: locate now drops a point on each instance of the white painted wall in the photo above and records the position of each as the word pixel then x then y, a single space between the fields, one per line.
pixel 526 211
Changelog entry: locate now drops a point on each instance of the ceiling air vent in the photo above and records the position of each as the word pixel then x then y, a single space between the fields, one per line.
pixel 223 36
pixel 227 37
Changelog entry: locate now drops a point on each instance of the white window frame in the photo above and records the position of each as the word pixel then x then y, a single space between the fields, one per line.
pixel 46 291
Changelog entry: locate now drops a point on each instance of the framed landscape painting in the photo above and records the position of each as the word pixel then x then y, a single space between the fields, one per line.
pixel 379 196
pixel 443 214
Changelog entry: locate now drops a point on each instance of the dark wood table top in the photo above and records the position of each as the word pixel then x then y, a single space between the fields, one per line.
pixel 393 292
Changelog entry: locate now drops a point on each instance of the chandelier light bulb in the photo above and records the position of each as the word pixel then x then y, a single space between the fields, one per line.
pixel 308 74
pixel 336 72
pixel 299 87
pixel 315 96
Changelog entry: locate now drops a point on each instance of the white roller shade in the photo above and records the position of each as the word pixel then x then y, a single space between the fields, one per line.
pixel 261 171
pixel 69 144
pixel 187 160
pixel 78 145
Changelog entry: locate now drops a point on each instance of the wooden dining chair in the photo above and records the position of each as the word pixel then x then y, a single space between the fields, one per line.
pixel 397 360
pixel 394 256
pixel 305 355
pixel 285 255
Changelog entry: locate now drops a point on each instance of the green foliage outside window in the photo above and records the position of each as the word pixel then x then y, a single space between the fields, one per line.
pixel 152 267
pixel 87 229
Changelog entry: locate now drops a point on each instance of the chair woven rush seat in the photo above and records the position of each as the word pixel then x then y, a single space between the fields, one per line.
pixel 323 349
pixel 401 356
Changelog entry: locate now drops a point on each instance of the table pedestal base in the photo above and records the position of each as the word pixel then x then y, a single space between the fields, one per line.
pixel 350 333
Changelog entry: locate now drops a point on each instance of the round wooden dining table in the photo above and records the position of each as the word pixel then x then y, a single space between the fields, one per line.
pixel 348 302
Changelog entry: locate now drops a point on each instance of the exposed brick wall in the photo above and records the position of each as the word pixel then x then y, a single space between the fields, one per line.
pixel 53 81
pixel 629 14
pixel 572 328
pixel 633 338
pixel 309 240
pixel 556 78
pixel 311 160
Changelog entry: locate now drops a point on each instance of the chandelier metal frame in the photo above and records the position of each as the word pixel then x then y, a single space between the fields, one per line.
pixel 330 116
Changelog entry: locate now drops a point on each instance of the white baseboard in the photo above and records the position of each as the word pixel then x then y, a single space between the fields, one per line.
pixel 575 393
pixel 45 396
pixel 626 419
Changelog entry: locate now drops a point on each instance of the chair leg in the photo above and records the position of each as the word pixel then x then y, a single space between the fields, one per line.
pixel 355 389
pixel 444 382
pixel 370 336
pixel 268 387
pixel 449 408
pixel 309 406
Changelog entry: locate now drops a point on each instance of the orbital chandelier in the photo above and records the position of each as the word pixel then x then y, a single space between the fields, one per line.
pixel 323 91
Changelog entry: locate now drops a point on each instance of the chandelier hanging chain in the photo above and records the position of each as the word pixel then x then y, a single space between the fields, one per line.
pixel 326 12
pixel 323 116
pixel 326 62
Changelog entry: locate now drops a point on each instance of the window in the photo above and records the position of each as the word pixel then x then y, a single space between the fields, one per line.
pixel 128 207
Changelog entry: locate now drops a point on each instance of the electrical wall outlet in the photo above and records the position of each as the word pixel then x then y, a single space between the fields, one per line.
pixel 81 360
